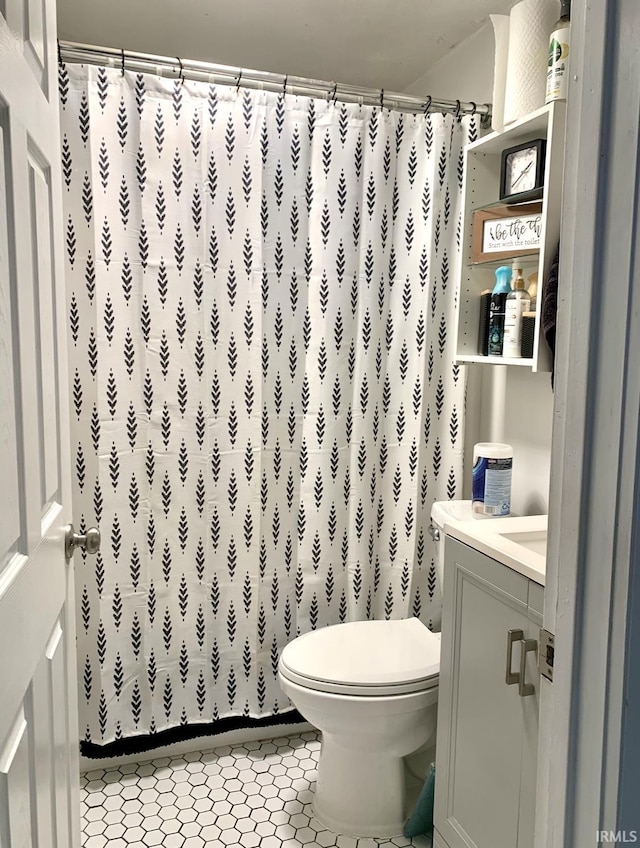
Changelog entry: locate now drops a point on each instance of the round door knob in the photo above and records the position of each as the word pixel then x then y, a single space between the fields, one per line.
pixel 89 541
pixel 92 540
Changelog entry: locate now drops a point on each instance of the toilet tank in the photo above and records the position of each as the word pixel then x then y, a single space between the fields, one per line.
pixel 441 511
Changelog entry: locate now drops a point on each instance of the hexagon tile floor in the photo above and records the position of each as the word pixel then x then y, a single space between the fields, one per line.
pixel 256 795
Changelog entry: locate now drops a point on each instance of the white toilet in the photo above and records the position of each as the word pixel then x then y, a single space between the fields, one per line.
pixel 371 687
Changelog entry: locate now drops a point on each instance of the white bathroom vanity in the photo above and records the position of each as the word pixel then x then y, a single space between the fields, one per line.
pixel 489 683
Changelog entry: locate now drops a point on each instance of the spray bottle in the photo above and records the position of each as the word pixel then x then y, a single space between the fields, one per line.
pixel 497 310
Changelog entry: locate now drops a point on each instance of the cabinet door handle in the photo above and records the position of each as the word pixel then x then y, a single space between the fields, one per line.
pixel 512 676
pixel 528 646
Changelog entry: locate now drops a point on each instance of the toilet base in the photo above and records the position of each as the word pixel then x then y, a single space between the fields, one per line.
pixel 362 794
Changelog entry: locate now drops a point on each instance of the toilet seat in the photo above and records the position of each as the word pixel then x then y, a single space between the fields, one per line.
pixel 365 658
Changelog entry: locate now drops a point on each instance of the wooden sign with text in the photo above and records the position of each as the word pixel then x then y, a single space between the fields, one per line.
pixel 502 232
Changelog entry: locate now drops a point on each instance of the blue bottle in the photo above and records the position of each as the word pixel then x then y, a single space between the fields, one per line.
pixel 497 310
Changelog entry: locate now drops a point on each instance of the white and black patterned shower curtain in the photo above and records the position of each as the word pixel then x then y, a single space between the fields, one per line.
pixel 264 404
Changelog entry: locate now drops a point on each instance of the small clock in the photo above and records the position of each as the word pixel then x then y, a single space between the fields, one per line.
pixel 522 171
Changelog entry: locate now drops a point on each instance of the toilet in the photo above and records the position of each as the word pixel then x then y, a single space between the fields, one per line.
pixel 371 688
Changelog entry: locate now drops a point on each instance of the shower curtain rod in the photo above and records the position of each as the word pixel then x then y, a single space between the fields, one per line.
pixel 168 66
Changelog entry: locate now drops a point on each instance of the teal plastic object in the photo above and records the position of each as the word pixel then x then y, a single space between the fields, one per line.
pixel 503 280
pixel 421 821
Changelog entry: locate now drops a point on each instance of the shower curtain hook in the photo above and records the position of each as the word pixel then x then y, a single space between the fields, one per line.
pixel 121 61
pixel 335 92
pixel 475 109
pixel 458 115
pixel 284 84
pixel 181 75
pixel 427 105
pixel 239 80
pixel 381 99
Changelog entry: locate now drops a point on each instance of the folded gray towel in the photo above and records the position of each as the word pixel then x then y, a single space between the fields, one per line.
pixel 550 309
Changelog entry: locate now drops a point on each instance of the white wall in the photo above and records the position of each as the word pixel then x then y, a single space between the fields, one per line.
pixel 378 43
pixel 466 73
pixel 526 425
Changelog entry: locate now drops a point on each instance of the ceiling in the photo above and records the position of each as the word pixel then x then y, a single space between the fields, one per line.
pixel 378 43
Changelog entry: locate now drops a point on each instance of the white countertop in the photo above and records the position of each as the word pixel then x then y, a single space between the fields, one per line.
pixel 488 536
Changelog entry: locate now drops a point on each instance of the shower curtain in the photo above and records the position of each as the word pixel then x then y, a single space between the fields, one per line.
pixel 264 403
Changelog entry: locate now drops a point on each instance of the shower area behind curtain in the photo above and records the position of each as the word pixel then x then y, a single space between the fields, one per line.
pixel 264 404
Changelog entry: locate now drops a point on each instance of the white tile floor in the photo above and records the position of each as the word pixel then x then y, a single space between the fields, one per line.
pixel 256 794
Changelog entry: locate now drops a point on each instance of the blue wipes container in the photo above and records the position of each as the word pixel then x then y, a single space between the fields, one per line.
pixel 492 464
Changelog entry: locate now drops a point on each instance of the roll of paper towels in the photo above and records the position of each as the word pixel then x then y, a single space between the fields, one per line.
pixel 530 25
pixel 501 35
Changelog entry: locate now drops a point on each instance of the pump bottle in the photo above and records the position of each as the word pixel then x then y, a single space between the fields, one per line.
pixel 559 46
pixel 518 301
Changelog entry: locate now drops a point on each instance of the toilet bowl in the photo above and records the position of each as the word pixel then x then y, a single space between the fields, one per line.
pixel 371 687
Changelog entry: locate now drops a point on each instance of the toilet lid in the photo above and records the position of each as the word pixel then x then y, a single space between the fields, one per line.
pixel 377 656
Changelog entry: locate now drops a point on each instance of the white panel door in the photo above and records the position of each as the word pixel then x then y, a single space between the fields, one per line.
pixel 38 715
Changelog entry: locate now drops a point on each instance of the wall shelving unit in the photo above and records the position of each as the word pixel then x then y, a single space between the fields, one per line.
pixel 481 188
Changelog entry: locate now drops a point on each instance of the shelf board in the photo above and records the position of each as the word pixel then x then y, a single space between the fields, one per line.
pixel 534 125
pixel 511 205
pixel 527 260
pixel 494 360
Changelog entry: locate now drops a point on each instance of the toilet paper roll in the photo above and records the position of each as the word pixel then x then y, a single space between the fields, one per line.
pixel 501 36
pixel 530 25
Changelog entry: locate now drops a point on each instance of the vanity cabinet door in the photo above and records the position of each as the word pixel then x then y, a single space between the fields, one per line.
pixel 530 706
pixel 480 718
